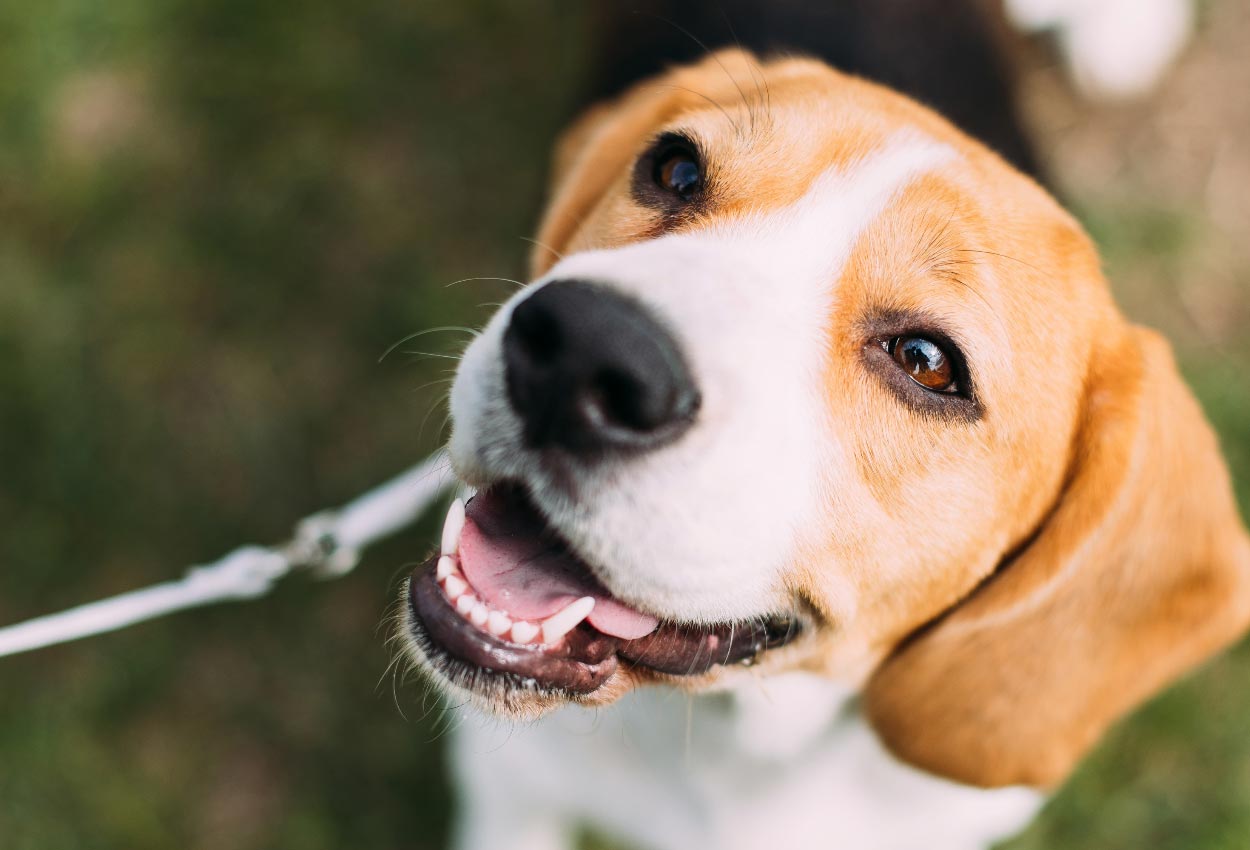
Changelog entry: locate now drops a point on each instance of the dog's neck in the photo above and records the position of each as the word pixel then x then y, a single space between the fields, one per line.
pixel 779 716
pixel 726 769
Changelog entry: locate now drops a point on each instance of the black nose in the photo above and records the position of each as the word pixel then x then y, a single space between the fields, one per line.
pixel 590 369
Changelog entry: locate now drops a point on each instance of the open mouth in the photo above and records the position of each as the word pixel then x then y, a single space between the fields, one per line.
pixel 508 596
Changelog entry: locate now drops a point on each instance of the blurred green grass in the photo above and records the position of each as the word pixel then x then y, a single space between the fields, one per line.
pixel 215 217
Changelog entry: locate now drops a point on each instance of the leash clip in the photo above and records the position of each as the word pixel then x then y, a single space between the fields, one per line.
pixel 316 547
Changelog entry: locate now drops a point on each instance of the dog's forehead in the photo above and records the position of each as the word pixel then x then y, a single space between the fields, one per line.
pixel 771 131
pixel 827 160
pixel 839 203
pixel 770 135
pixel 778 136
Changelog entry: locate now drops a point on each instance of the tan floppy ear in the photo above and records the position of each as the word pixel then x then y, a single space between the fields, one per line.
pixel 1140 571
pixel 570 158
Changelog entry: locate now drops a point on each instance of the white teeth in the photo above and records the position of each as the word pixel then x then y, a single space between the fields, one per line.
pixel 454 585
pixel 564 621
pixel 498 623
pixel 452 526
pixel 523 632
pixel 480 614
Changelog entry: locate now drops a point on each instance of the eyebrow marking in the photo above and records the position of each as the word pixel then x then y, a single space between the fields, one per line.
pixel 941 257
pixel 851 200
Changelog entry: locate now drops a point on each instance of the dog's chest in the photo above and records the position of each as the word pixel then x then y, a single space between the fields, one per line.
pixel 786 758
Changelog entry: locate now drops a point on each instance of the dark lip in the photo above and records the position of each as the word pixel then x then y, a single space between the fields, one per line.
pixel 582 662
pixel 585 659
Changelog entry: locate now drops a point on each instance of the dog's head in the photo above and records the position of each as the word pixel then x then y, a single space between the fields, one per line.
pixel 807 379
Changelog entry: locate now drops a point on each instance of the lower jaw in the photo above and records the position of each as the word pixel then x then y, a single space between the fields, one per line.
pixel 584 663
pixel 462 652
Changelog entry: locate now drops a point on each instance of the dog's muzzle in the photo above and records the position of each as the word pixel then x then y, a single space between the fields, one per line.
pixel 594 381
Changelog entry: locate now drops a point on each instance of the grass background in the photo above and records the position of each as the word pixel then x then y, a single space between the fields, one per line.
pixel 216 216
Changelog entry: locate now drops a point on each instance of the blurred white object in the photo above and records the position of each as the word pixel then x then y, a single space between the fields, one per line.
pixel 1114 49
pixel 327 544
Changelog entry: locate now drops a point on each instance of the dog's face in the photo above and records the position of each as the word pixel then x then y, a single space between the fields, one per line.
pixel 802 368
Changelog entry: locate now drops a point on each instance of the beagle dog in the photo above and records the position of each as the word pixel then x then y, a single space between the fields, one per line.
pixel 823 494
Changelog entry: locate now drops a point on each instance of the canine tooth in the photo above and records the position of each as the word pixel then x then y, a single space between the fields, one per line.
pixel 498 623
pixel 446 566
pixel 564 621
pixel 479 614
pixel 452 526
pixel 523 632
pixel 454 585
pixel 465 603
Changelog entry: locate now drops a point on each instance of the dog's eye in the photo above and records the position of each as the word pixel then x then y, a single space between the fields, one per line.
pixel 671 177
pixel 925 362
pixel 677 170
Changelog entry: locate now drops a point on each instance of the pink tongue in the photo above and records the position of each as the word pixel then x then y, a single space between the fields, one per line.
pixel 517 569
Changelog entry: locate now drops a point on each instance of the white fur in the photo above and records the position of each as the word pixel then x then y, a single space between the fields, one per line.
pixel 702 529
pixel 1114 49
pixel 781 762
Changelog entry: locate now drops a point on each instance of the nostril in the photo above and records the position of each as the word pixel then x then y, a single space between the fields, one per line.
pixel 537 333
pixel 616 398
pixel 644 407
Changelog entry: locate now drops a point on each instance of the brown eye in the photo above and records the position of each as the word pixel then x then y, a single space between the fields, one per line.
pixel 677 171
pixel 924 361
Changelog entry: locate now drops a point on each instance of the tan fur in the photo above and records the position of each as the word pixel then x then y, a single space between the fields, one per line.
pixel 1087 550
pixel 1138 573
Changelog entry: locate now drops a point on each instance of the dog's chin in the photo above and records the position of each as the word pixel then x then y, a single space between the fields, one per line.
pixel 509 618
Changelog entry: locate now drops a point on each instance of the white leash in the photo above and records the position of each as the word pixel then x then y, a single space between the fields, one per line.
pixel 328 544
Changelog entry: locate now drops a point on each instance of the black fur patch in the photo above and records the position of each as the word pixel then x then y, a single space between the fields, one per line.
pixel 947 54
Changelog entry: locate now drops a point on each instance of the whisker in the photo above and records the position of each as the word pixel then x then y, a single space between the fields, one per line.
pixel 940 259
pixel 745 101
pixel 694 661
pixel 426 708
pixel 1003 256
pixel 434 382
pixel 737 127
pixel 543 245
pixel 395 692
pixel 516 283
pixel 439 329
pixel 754 65
pixel 441 402
pixel 415 353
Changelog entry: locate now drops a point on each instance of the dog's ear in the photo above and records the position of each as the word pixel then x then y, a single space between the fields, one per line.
pixel 572 161
pixel 1140 570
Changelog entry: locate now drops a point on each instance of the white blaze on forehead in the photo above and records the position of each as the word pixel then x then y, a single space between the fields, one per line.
pixel 822 227
pixel 701 529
